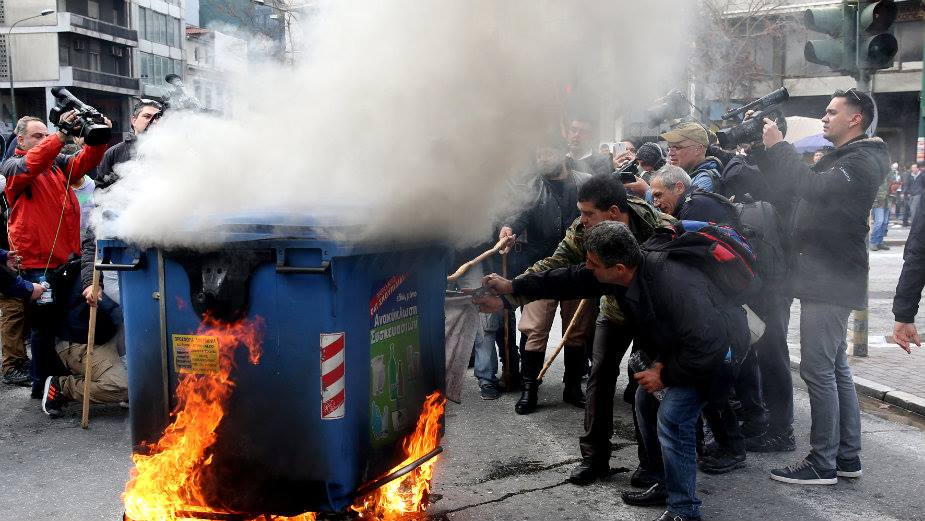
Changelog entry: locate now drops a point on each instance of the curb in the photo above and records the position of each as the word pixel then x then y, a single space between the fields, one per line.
pixel 904 400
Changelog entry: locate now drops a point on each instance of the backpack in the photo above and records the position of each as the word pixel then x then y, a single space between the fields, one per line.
pixel 717 250
pixel 760 225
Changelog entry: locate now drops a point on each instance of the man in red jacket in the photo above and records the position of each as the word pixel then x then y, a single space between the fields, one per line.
pixel 44 226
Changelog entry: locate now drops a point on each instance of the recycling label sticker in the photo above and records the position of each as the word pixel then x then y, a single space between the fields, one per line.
pixel 194 354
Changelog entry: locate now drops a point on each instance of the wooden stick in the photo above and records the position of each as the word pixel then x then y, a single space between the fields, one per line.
pixel 565 336
pixel 91 338
pixel 465 267
pixel 505 371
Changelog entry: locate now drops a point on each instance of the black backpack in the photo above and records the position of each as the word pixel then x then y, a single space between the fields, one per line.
pixel 717 250
pixel 760 225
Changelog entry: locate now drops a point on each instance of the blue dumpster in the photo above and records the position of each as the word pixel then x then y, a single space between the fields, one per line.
pixel 352 344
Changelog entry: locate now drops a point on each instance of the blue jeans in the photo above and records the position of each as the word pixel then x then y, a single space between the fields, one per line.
pixel 672 425
pixel 486 357
pixel 880 225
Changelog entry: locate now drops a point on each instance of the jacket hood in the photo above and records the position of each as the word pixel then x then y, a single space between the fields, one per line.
pixel 869 145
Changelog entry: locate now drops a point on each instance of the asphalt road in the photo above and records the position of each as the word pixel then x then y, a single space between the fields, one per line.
pixel 497 465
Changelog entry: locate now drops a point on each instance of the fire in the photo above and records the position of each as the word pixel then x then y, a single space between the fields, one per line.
pixel 167 480
pixel 409 494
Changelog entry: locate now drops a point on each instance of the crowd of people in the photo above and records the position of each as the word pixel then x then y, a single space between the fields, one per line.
pixel 49 180
pixel 649 240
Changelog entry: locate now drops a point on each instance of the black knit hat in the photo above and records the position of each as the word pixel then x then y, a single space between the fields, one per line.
pixel 651 154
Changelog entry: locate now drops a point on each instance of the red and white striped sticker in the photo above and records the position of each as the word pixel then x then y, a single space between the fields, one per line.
pixel 332 375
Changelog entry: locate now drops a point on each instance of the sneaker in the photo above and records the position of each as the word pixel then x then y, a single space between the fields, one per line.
pixel 873 247
pixel 883 246
pixel 771 442
pixel 671 516
pixel 54 399
pixel 489 391
pixel 805 473
pixel 17 376
pixel 848 468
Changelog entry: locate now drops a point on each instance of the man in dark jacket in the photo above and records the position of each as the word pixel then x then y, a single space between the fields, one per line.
pixel 673 193
pixel 144 114
pixel 681 319
pixel 552 207
pixel 909 287
pixel 602 198
pixel 830 269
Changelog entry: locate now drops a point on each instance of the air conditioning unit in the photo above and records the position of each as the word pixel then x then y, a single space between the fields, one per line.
pixel 118 52
pixel 79 45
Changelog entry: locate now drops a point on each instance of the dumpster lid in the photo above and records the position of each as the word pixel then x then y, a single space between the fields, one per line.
pixel 323 224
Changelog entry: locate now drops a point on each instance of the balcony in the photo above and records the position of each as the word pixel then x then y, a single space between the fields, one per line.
pixel 130 36
pixel 102 78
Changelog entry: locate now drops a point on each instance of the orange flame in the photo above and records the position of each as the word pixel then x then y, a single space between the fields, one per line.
pixel 168 480
pixel 409 494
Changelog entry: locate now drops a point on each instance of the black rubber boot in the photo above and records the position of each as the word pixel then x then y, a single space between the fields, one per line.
pixel 574 371
pixel 530 366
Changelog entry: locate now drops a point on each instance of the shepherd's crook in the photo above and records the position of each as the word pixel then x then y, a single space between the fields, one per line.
pixel 91 338
pixel 565 337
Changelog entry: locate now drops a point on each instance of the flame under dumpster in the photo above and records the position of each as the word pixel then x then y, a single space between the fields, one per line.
pixel 349 343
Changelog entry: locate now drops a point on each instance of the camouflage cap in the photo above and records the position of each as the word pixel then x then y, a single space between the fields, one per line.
pixel 689 130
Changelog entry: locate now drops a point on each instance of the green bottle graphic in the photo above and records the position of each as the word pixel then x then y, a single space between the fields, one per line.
pixel 393 374
pixel 402 367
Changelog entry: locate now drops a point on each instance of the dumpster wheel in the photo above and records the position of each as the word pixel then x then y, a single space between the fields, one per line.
pixel 373 485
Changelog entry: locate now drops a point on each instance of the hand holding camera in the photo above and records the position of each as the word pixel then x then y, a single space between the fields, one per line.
pixel 75 118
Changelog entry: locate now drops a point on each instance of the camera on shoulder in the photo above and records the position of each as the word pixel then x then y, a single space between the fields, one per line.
pixel 88 123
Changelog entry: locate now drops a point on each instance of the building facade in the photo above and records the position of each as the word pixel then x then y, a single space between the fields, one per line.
pixel 107 52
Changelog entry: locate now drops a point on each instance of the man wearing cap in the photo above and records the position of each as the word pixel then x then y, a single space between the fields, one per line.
pixel 687 148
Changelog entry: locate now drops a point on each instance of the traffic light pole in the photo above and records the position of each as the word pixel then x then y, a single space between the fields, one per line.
pixel 920 145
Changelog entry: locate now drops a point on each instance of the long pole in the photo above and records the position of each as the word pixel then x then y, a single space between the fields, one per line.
pixel 920 145
pixel 859 328
pixel 91 339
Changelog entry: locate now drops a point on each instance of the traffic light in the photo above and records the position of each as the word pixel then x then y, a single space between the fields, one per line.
pixel 876 44
pixel 837 53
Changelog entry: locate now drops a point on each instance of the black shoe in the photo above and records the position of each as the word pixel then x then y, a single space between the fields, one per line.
pixel 589 471
pixel 771 442
pixel 489 391
pixel 527 402
pixel 574 395
pixel 668 516
pixel 722 461
pixel 883 246
pixel 642 479
pixel 848 468
pixel 16 376
pixel 751 429
pixel 510 382
pixel 53 399
pixel 656 495
pixel 805 473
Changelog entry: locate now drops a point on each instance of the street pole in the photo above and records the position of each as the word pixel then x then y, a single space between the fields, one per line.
pixel 859 327
pixel 9 59
pixel 920 145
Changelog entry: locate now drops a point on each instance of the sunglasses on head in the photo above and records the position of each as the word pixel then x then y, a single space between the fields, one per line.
pixel 852 91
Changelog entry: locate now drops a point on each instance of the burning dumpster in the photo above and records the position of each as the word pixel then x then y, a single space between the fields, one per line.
pixel 283 368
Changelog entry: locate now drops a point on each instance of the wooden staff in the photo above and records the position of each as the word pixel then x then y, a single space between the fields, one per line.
pixel 465 267
pixel 505 372
pixel 91 338
pixel 565 336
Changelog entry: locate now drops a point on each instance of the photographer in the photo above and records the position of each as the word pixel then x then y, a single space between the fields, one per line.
pixel 687 148
pixel 44 225
pixel 830 269
pixel 144 115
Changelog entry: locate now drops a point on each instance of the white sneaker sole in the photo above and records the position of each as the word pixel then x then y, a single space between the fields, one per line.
pixel 793 481
pixel 45 395
pixel 846 474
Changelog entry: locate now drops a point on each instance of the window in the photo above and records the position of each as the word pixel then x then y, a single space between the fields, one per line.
pixel 142 25
pixel 144 73
pixel 171 33
pixel 910 39
pixel 93 9
pixel 161 28
pixel 150 25
pixel 96 63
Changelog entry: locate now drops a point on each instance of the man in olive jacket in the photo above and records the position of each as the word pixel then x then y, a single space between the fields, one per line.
pixel 829 274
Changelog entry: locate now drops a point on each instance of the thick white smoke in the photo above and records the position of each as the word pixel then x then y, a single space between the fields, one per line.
pixel 410 116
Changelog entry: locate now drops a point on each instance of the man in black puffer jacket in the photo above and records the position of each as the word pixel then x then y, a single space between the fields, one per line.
pixel 552 206
pixel 829 273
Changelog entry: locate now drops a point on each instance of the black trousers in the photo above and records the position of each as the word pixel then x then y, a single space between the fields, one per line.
pixel 771 362
pixel 610 344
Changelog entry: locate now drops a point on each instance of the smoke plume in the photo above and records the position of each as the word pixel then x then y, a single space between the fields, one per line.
pixel 411 117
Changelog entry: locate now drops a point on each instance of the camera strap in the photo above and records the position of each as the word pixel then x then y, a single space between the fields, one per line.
pixel 67 188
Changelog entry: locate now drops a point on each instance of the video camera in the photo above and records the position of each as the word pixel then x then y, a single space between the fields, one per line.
pixel 177 98
pixel 89 123
pixel 751 130
pixel 671 106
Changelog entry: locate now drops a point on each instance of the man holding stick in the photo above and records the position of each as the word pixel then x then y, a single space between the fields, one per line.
pixel 679 317
pixel 602 198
